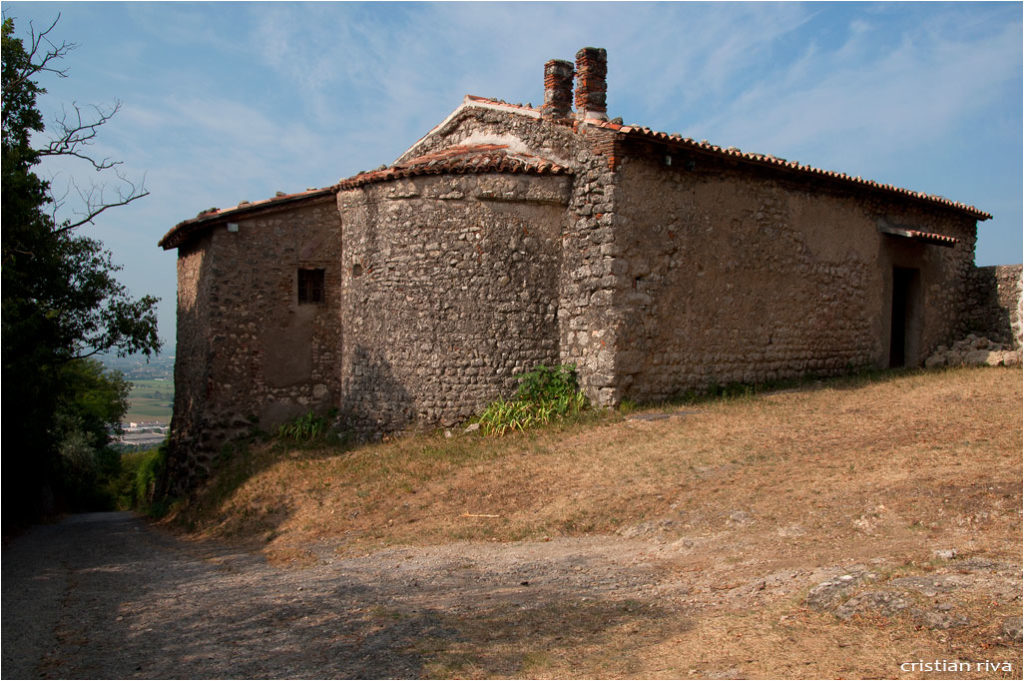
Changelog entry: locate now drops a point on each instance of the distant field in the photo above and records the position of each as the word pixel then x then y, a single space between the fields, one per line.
pixel 150 400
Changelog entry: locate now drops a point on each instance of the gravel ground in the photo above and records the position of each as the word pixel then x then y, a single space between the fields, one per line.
pixel 106 596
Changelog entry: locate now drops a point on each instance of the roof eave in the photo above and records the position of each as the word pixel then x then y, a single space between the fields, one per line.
pixel 183 231
pixel 781 164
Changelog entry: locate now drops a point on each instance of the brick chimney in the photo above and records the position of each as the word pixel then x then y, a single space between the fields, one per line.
pixel 557 89
pixel 591 87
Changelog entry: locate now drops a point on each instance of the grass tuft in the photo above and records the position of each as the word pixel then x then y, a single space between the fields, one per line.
pixel 545 395
pixel 309 427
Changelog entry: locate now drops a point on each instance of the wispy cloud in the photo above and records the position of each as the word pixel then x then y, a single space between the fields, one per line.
pixel 232 101
pixel 869 97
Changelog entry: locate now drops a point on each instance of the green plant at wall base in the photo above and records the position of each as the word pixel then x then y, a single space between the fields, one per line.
pixel 628 406
pixel 306 428
pixel 545 394
pixel 544 383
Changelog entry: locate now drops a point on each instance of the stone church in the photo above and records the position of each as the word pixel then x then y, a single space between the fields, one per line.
pixel 510 236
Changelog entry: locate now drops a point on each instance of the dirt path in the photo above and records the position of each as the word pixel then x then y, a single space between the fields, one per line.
pixel 106 596
pixel 103 595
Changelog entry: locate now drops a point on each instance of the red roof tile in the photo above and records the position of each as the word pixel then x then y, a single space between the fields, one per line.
pixel 781 163
pixel 180 232
pixel 930 237
pixel 918 235
pixel 732 152
pixel 479 158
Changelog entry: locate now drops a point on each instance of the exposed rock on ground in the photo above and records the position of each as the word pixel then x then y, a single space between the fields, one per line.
pixel 927 600
pixel 974 351
pixel 113 598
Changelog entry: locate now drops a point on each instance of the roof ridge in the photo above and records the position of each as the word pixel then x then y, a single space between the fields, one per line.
pixel 480 158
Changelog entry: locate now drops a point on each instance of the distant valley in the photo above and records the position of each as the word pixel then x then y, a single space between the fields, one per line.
pixel 151 401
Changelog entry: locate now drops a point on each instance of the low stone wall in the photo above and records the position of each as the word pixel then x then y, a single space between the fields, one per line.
pixel 994 303
pixel 974 351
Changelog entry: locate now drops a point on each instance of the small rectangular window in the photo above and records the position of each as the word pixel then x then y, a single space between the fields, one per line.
pixel 311 286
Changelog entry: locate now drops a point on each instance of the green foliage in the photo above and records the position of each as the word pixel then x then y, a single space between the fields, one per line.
pixel 545 395
pixel 628 406
pixel 95 396
pixel 61 301
pixel 88 411
pixel 546 384
pixel 136 483
pixel 307 428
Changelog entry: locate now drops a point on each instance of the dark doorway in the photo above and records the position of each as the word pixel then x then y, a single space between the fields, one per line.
pixel 902 340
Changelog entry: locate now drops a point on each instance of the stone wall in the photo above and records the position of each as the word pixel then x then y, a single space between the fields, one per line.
pixel 677 276
pixel 725 274
pixel 994 303
pixel 590 316
pixel 478 125
pixel 450 289
pixel 249 355
pixel 655 268
pixel 586 334
pixel 192 362
pixel 943 272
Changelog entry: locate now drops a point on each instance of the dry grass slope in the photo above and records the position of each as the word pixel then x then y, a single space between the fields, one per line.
pixel 748 502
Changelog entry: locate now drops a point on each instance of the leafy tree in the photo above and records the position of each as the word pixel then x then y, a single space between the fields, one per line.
pixel 88 413
pixel 61 300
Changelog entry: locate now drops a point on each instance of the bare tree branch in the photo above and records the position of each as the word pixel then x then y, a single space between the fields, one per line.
pixel 84 355
pixel 54 202
pixel 73 131
pixel 55 51
pixel 32 67
pixel 79 133
pixel 94 198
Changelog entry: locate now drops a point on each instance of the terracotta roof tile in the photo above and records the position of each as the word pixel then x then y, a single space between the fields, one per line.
pixel 772 161
pixel 930 237
pixel 461 159
pixel 500 102
pixel 180 232
pixel 764 159
pixel 918 235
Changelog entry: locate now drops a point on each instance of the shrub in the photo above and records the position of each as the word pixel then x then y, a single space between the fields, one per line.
pixel 307 428
pixel 135 486
pixel 545 384
pixel 545 394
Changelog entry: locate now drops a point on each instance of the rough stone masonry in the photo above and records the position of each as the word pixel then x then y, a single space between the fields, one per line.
pixel 510 236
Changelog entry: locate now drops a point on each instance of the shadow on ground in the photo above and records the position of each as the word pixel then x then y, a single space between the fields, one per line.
pixel 134 602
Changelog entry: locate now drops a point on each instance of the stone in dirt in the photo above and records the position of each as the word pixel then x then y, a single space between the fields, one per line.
pixel 884 602
pixel 974 351
pixel 1012 629
pixel 828 593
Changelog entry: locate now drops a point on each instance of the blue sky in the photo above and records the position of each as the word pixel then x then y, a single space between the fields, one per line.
pixel 224 102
